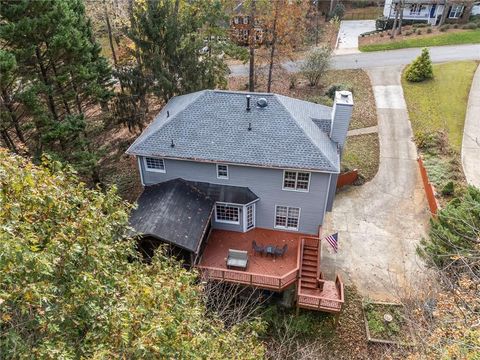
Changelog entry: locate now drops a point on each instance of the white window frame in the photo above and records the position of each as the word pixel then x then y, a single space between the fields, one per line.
pixel 246 20
pixel 286 219
pixel 218 172
pixel 456 13
pixel 164 170
pixel 416 9
pixel 253 207
pixel 227 221
pixel 296 181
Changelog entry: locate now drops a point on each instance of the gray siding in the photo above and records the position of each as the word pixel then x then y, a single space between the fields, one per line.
pixel 331 191
pixel 265 183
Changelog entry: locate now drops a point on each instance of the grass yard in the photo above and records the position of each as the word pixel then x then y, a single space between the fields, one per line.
pixel 440 104
pixel 362 153
pixel 453 38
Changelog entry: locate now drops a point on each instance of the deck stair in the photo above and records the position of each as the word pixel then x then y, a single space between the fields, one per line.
pixel 313 291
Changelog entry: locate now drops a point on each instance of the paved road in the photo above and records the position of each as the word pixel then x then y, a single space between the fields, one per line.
pixel 384 58
pixel 381 222
pixel 471 134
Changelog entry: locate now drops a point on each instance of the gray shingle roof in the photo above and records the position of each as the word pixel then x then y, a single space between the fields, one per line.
pixel 212 125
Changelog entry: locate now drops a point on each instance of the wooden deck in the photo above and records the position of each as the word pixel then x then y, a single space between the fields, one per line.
pixel 300 263
pixel 262 271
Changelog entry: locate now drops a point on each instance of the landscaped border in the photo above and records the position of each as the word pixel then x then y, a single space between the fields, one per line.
pixel 382 341
pixel 454 38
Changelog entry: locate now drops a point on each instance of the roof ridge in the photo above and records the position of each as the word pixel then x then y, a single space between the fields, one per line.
pixel 296 120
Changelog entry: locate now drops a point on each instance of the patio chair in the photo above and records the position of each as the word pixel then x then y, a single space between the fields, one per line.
pixel 280 251
pixel 237 258
pixel 258 248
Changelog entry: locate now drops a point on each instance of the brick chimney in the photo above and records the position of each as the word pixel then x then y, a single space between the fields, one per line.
pixel 341 115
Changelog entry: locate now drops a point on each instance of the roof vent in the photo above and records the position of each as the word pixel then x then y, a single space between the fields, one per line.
pixel 248 102
pixel 262 102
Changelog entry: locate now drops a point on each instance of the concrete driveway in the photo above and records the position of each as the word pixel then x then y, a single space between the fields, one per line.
pixel 350 30
pixel 381 222
pixel 471 134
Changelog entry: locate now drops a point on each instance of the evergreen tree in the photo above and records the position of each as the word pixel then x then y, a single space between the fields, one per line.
pixel 180 45
pixel 71 286
pixel 421 68
pixel 56 55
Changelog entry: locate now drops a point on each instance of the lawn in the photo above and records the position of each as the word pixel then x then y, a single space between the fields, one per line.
pixel 439 105
pixel 362 153
pixel 454 38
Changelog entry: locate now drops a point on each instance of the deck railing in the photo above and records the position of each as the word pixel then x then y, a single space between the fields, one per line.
pixel 263 281
pixel 322 303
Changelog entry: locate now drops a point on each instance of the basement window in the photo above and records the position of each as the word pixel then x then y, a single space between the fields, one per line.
pixel 296 180
pixel 287 217
pixel 154 164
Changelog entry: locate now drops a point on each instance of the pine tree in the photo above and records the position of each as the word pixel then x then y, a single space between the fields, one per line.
pixel 179 45
pixel 421 68
pixel 56 55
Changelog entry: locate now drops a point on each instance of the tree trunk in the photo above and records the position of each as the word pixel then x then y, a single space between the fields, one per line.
pixel 444 13
pixel 402 8
pixel 272 50
pixel 110 37
pixel 394 27
pixel 251 74
pixel 46 81
pixel 7 101
pixel 60 90
pixel 8 141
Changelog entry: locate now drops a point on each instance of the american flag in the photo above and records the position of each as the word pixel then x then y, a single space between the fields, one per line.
pixel 333 241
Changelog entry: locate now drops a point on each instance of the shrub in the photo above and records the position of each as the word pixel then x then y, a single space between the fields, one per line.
pixel 429 30
pixel 455 26
pixel 316 64
pixel 408 33
pixel 337 87
pixel 421 68
pixel 381 34
pixel 444 27
pixel 338 11
pixel 454 234
pixel 448 189
pixel 419 32
pixel 422 25
pixel 470 26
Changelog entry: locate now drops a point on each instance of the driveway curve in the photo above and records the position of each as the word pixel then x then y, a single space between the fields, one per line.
pixel 471 134
pixel 381 223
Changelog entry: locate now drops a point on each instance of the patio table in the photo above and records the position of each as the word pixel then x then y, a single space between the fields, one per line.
pixel 270 250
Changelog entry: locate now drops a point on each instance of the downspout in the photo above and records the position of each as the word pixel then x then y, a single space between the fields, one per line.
pixel 140 169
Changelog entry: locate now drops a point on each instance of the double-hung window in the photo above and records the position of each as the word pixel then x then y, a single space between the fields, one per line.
pixel 287 217
pixel 222 171
pixel 415 9
pixel 456 11
pixel 154 164
pixel 296 180
pixel 227 213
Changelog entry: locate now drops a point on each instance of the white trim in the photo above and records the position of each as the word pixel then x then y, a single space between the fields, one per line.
pixel 140 169
pixel 228 221
pixel 286 220
pixel 222 177
pixel 296 181
pixel 245 217
pixel 154 170
pixel 237 164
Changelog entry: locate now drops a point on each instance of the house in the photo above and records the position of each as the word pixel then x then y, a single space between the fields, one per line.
pixel 222 169
pixel 431 11
pixel 240 26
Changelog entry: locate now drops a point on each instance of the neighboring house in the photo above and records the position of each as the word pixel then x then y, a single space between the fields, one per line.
pixel 240 26
pixel 431 11
pixel 222 169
